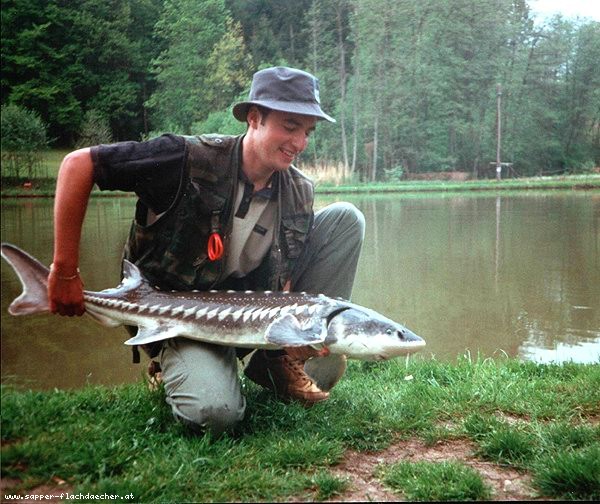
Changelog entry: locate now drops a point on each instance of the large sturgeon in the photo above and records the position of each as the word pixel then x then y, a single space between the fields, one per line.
pixel 248 319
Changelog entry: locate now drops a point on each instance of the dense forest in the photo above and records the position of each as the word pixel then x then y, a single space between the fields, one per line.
pixel 415 85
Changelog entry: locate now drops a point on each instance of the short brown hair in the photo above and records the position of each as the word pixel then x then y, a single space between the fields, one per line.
pixel 263 111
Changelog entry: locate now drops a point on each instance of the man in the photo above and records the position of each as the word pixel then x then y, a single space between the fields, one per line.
pixel 217 212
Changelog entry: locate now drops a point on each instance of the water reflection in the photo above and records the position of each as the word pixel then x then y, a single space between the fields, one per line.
pixel 488 274
pixel 585 352
pixel 50 351
pixel 492 274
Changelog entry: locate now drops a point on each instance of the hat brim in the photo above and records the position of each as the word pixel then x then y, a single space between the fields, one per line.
pixel 240 110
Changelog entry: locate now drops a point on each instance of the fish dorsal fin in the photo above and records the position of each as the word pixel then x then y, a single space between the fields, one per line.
pixel 286 331
pixel 160 332
pixel 132 274
pixel 132 280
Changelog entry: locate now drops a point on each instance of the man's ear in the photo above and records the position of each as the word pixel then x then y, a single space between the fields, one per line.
pixel 253 117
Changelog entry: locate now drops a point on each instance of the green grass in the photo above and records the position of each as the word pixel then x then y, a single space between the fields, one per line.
pixel 555 182
pixel 542 419
pixel 570 475
pixel 328 486
pixel 435 481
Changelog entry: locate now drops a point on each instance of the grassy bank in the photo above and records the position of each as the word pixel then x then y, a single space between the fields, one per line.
pixel 556 182
pixel 538 421
pixel 46 187
pixel 328 181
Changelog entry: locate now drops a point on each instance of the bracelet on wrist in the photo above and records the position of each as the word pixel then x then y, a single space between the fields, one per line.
pixel 60 277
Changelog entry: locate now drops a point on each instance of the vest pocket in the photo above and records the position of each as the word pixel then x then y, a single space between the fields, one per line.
pixel 295 231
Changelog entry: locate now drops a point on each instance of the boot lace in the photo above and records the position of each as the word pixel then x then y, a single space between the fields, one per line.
pixel 297 368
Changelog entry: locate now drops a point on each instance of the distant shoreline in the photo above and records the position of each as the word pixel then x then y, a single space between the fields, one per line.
pixel 44 188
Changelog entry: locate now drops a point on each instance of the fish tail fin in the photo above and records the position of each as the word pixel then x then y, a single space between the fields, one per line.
pixel 34 279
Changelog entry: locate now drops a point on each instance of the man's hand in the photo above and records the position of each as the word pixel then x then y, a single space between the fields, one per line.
pixel 65 294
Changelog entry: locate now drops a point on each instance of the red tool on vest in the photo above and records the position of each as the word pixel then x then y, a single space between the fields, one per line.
pixel 215 247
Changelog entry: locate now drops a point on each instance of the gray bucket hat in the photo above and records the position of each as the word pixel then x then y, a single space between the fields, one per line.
pixel 285 89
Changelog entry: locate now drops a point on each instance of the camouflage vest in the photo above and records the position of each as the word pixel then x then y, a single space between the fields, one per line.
pixel 172 252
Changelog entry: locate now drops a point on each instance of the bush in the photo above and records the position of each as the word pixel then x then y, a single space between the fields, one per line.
pixel 23 137
pixel 395 174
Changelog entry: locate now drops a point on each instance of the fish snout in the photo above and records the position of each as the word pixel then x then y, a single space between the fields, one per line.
pixel 407 336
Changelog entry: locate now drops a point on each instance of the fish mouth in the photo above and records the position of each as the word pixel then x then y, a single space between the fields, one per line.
pixel 407 349
pixel 413 346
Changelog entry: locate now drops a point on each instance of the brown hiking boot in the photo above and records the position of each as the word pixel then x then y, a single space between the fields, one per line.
pixel 284 375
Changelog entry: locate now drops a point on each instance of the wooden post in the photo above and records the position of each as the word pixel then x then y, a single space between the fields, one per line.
pixel 499 132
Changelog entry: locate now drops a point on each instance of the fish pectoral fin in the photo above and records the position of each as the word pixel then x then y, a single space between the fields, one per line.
pixel 147 335
pixel 286 331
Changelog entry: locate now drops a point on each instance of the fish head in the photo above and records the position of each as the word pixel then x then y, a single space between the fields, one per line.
pixel 364 334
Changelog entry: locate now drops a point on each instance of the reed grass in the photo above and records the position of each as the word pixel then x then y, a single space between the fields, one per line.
pixel 328 174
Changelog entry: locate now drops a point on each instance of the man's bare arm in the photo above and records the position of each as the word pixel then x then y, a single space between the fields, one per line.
pixel 73 188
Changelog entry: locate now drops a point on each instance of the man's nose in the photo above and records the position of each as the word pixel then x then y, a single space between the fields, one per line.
pixel 300 141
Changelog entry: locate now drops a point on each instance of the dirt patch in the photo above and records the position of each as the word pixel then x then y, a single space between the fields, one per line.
pixel 593 420
pixel 359 468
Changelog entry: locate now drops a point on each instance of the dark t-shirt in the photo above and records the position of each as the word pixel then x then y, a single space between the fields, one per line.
pixel 151 169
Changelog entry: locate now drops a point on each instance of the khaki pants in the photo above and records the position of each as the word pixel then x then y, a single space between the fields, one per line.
pixel 201 380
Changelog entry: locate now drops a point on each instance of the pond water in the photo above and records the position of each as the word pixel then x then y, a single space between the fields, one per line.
pixel 490 274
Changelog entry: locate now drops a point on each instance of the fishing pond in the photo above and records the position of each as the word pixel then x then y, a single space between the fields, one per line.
pixel 490 274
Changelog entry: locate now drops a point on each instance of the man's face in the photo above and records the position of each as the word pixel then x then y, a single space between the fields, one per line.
pixel 279 137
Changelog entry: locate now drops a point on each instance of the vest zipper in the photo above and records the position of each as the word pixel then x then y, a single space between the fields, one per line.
pixel 276 283
pixel 227 210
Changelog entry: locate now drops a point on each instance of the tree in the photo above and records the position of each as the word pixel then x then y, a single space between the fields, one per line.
pixel 230 67
pixel 190 30
pixel 63 58
pixel 581 99
pixel 33 60
pixel 273 29
pixel 95 130
pixel 411 82
pixel 328 58
pixel 552 105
